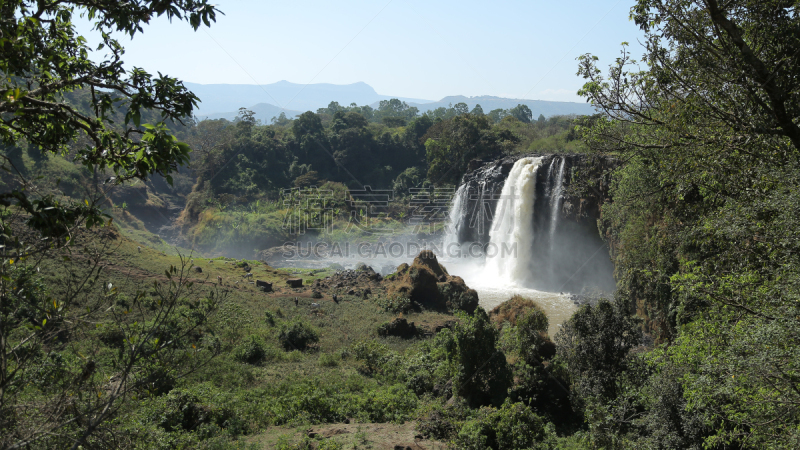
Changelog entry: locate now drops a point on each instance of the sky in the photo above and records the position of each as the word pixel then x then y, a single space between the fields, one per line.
pixel 425 49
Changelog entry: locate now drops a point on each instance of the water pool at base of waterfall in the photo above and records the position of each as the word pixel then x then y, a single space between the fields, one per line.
pixel 557 305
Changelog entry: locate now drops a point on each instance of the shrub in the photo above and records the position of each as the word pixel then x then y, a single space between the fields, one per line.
pixel 184 410
pixel 528 339
pixel 395 303
pixel 513 426
pixel 328 360
pixel 512 309
pixel 442 422
pixel 297 335
pixel 394 404
pixel 372 356
pixel 269 318
pixel 112 336
pixel 458 296
pixel 484 375
pixel 253 351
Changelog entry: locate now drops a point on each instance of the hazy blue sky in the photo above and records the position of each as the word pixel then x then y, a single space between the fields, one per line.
pixel 410 48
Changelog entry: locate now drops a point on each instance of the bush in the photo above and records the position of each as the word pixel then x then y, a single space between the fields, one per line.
pixel 442 422
pixel 394 404
pixel 269 318
pixel 297 335
pixel 458 297
pixel 513 426
pixel 395 303
pixel 530 337
pixel 372 356
pixel 484 376
pixel 186 410
pixel 253 351
pixel 328 360
pixel 512 309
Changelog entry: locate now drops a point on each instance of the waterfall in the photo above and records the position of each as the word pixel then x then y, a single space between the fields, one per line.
pixel 513 224
pixel 555 204
pixel 456 218
pixel 518 228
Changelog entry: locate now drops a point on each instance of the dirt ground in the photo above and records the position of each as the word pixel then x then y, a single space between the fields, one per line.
pixel 376 436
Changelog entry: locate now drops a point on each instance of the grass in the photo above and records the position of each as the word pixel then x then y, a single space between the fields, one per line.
pixel 295 388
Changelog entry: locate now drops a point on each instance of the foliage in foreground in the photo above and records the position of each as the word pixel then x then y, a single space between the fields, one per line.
pixel 704 223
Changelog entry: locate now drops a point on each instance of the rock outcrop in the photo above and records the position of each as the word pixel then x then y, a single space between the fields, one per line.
pixel 427 283
pixel 586 185
pixel 567 253
pixel 399 327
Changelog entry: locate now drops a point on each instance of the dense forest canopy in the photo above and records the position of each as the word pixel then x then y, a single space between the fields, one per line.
pixel 386 148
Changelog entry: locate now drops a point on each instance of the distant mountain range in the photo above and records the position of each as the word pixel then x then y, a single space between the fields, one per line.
pixel 224 100
pixel 269 100
pixel 488 103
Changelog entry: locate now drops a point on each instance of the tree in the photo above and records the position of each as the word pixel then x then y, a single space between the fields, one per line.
pixel 45 61
pixel 245 118
pixel 594 344
pixel 281 120
pixel 714 119
pixel 57 98
pixel 477 110
pixel 522 113
pixel 396 108
pixel 461 108
pixel 71 363
pixel 483 375
pixel 452 144
pixel 311 141
pixel 408 179
pixel 496 115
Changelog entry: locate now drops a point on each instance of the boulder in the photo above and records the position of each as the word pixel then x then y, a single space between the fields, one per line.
pixel 295 282
pixel 448 324
pixel 398 327
pixel 427 283
pixel 197 269
pixel 267 287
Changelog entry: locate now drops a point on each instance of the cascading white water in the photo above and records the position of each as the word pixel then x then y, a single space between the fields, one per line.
pixel 457 214
pixel 512 225
pixel 555 204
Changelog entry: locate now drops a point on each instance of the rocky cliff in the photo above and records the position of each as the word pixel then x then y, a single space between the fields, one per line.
pixel 568 253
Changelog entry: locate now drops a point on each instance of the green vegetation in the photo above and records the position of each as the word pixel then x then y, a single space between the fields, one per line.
pixel 704 227
pixel 106 343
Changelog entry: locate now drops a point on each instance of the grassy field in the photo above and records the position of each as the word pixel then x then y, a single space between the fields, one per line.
pixel 278 397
